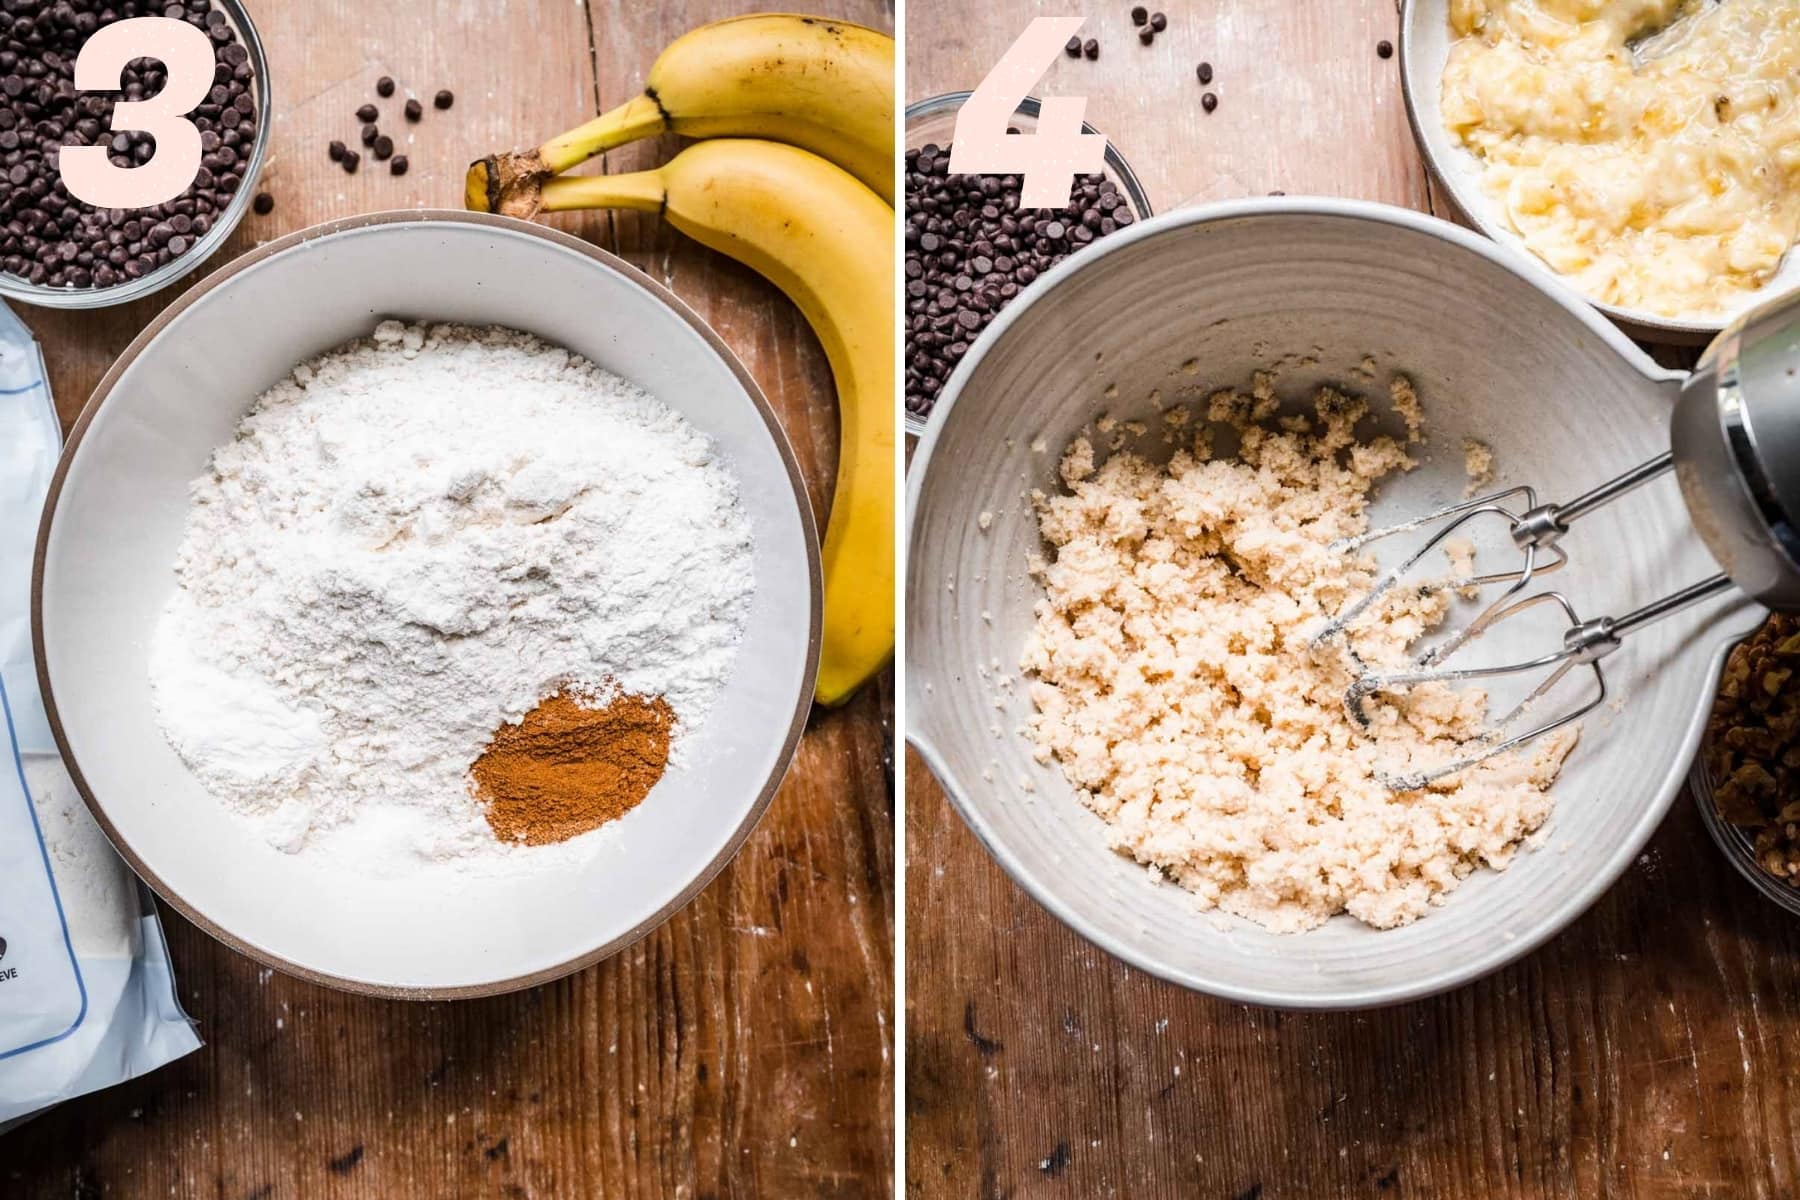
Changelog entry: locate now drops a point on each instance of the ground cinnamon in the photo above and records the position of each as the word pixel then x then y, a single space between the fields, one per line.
pixel 571 766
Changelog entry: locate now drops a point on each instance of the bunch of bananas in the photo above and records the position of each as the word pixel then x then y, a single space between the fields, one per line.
pixel 796 181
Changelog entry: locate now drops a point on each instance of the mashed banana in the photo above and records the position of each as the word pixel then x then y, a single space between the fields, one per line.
pixel 1648 150
pixel 1175 681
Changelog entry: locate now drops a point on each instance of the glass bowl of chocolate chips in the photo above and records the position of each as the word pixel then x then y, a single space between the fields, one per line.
pixel 58 252
pixel 1746 777
pixel 970 248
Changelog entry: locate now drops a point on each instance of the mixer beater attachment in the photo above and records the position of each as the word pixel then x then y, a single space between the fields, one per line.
pixel 1536 530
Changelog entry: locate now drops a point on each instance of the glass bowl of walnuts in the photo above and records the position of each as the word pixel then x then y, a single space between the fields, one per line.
pixel 1746 777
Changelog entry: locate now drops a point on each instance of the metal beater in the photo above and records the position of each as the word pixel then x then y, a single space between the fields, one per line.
pixel 1734 445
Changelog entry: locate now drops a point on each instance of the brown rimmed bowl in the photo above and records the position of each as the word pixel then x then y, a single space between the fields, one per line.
pixel 104 571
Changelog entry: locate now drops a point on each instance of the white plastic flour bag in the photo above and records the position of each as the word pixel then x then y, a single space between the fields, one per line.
pixel 86 995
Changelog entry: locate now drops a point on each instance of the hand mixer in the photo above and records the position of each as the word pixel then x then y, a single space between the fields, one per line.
pixel 1734 445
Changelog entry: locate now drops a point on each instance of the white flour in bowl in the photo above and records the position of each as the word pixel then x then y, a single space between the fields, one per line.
pixel 415 538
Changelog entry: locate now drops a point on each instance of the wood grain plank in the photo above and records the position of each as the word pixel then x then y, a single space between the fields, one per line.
pixel 1643 1053
pixel 744 1049
pixel 1305 105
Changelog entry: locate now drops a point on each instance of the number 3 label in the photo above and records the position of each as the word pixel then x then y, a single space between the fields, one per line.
pixel 1047 160
pixel 187 57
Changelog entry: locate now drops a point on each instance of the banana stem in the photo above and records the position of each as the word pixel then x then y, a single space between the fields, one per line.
pixel 510 182
pixel 642 190
pixel 639 117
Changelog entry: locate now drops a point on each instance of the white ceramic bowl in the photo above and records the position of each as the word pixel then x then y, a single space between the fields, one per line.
pixel 1424 47
pixel 1562 397
pixel 114 519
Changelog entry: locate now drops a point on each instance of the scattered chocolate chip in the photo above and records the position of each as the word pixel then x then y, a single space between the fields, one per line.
pixel 1073 48
pixel 49 238
pixel 352 160
pixel 1384 49
pixel 383 147
pixel 367 114
pixel 1159 21
pixel 369 134
pixel 1091 48
pixel 1146 35
pixel 443 99
pixel 1208 101
pixel 1139 15
pixel 1205 72
pixel 970 249
pixel 414 110
pixel 399 165
pixel 384 87
pixel 263 205
pixel 337 150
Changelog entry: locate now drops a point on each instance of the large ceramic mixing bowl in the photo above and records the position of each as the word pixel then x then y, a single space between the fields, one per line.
pixel 104 571
pixel 1510 358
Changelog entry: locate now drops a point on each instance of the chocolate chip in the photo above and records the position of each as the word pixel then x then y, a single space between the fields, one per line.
pixel 367 114
pixel 351 161
pixel 443 99
pixel 369 134
pixel 383 147
pixel 1139 15
pixel 414 110
pixel 399 165
pixel 384 87
pixel 1146 35
pixel 1208 101
pixel 337 150
pixel 1159 21
pixel 1091 48
pixel 1384 49
pixel 1205 72
pixel 1073 48
pixel 263 205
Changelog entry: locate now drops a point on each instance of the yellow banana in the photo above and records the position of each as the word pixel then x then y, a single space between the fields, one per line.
pixel 827 241
pixel 824 85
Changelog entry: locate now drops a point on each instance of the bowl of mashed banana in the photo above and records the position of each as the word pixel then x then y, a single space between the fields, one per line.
pixel 1645 152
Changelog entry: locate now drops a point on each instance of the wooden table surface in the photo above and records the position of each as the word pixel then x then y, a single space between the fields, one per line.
pixel 744 1049
pixel 1649 1051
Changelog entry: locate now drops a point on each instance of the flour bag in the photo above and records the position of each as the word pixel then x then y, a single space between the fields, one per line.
pixel 87 998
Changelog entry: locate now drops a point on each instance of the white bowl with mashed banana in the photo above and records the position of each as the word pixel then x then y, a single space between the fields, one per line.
pixel 1646 153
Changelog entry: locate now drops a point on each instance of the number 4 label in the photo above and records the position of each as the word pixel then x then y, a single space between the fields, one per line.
pixel 187 56
pixel 1048 159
